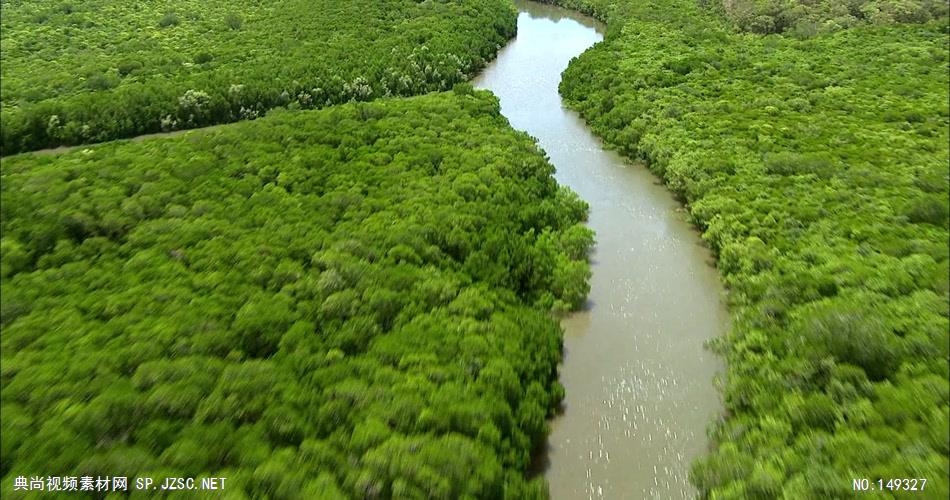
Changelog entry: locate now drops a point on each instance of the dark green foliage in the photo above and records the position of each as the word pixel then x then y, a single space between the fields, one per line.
pixel 294 53
pixel 203 58
pixel 126 67
pixel 352 302
pixel 100 81
pixel 233 21
pixel 818 169
pixel 168 20
pixel 929 209
pixel 853 331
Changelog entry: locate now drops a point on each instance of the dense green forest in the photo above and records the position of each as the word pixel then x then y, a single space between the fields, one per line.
pixel 817 167
pixel 806 18
pixel 348 302
pixel 356 302
pixel 80 72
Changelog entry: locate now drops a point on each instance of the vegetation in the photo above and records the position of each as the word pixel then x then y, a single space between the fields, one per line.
pixel 818 170
pixel 799 18
pixel 806 18
pixel 80 72
pixel 356 302
pixel 351 302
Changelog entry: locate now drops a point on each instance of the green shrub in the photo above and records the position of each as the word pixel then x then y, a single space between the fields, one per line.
pixel 99 82
pixel 203 58
pixel 125 68
pixel 929 209
pixel 168 20
pixel 233 21
pixel 787 163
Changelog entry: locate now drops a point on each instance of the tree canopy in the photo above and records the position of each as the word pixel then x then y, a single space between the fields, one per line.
pixel 350 302
pixel 91 71
pixel 818 169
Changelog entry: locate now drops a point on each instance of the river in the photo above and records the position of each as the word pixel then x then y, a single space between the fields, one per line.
pixel 639 381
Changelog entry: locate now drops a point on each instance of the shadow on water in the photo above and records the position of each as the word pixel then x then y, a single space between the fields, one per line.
pixel 540 460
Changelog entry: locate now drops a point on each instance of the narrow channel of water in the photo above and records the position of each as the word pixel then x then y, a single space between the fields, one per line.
pixel 639 381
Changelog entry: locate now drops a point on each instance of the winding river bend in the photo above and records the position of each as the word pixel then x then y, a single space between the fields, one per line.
pixel 639 381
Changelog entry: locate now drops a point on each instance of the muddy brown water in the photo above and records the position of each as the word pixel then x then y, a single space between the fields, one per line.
pixel 639 381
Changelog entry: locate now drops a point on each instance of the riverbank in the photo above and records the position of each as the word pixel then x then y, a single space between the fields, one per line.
pixel 638 382
pixel 75 74
pixel 817 169
pixel 348 302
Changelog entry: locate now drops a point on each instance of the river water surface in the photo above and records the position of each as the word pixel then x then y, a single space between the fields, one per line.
pixel 639 381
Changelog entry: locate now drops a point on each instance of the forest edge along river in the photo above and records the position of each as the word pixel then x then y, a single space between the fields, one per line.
pixel 638 379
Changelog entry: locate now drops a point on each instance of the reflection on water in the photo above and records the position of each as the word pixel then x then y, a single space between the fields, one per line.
pixel 546 12
pixel 638 380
